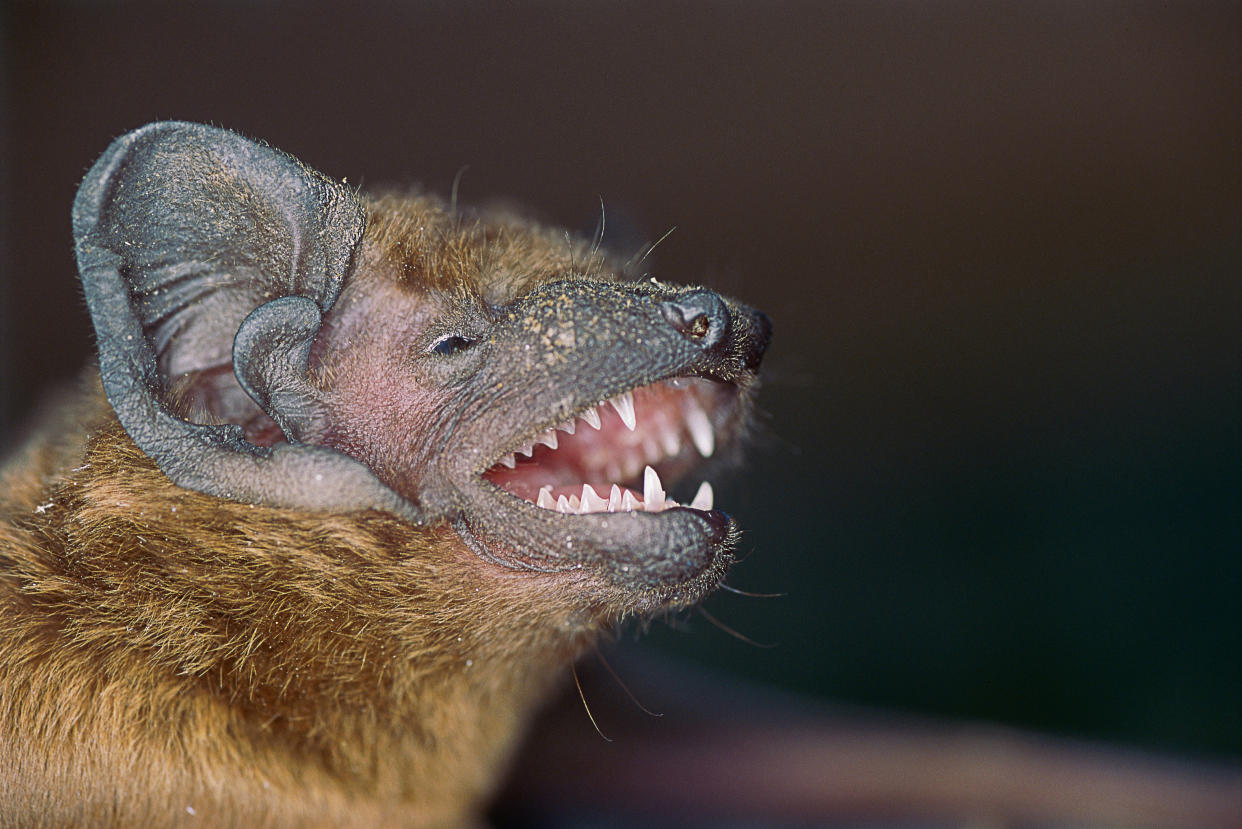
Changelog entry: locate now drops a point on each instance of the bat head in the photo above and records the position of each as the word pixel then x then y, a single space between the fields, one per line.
pixel 267 336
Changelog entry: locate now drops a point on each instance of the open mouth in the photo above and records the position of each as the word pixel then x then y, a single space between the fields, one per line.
pixel 626 453
pixel 615 490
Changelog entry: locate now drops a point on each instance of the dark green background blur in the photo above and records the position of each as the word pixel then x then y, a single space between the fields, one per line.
pixel 1000 474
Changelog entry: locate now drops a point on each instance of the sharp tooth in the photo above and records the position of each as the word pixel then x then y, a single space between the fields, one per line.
pixel 614 498
pixel 526 450
pixel 624 404
pixel 631 466
pixel 562 504
pixel 629 503
pixel 509 461
pixel 700 428
pixel 545 498
pixel 671 442
pixel 702 498
pixel 592 502
pixel 569 426
pixel 651 450
pixel 574 504
pixel 653 493
pixel 548 439
pixel 591 416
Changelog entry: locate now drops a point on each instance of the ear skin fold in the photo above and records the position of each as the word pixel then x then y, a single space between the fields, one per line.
pixel 182 231
pixel 271 356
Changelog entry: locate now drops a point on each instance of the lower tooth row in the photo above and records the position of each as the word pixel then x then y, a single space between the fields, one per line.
pixel 622 500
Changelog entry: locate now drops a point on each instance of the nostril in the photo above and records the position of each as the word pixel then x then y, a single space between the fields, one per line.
pixel 700 316
pixel 689 321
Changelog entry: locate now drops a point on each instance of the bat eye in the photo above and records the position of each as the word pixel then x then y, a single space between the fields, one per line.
pixel 451 345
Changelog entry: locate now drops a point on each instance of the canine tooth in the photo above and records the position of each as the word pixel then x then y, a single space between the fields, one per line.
pixel 670 442
pixel 548 439
pixel 651 450
pixel 702 498
pixel 614 498
pixel 624 404
pixel 653 493
pixel 629 503
pixel 700 428
pixel 545 498
pixel 591 416
pixel 592 502
pixel 509 461
pixel 562 504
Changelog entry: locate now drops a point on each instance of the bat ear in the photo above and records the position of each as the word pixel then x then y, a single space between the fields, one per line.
pixel 200 249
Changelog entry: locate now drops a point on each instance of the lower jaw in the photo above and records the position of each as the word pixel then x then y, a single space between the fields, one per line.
pixel 668 558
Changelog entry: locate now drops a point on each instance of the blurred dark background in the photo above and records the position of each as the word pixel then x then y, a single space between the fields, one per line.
pixel 1000 474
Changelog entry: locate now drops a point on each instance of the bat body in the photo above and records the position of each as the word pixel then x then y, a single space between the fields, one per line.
pixel 314 540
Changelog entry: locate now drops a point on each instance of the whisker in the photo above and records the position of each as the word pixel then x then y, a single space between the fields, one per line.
pixel 599 231
pixel 724 586
pixel 709 617
pixel 582 697
pixel 569 243
pixel 650 249
pixel 634 699
pixel 741 558
pixel 456 181
pixel 656 244
pixel 594 259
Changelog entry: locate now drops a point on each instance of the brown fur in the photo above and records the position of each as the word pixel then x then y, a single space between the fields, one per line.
pixel 172 659
pixel 499 256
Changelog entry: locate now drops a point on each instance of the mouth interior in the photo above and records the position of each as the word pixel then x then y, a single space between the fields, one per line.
pixel 620 454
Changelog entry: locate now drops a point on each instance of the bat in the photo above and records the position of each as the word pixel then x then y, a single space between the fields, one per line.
pixel 355 480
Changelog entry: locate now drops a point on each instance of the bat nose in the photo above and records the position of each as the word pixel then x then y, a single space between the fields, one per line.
pixel 762 328
pixel 701 316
